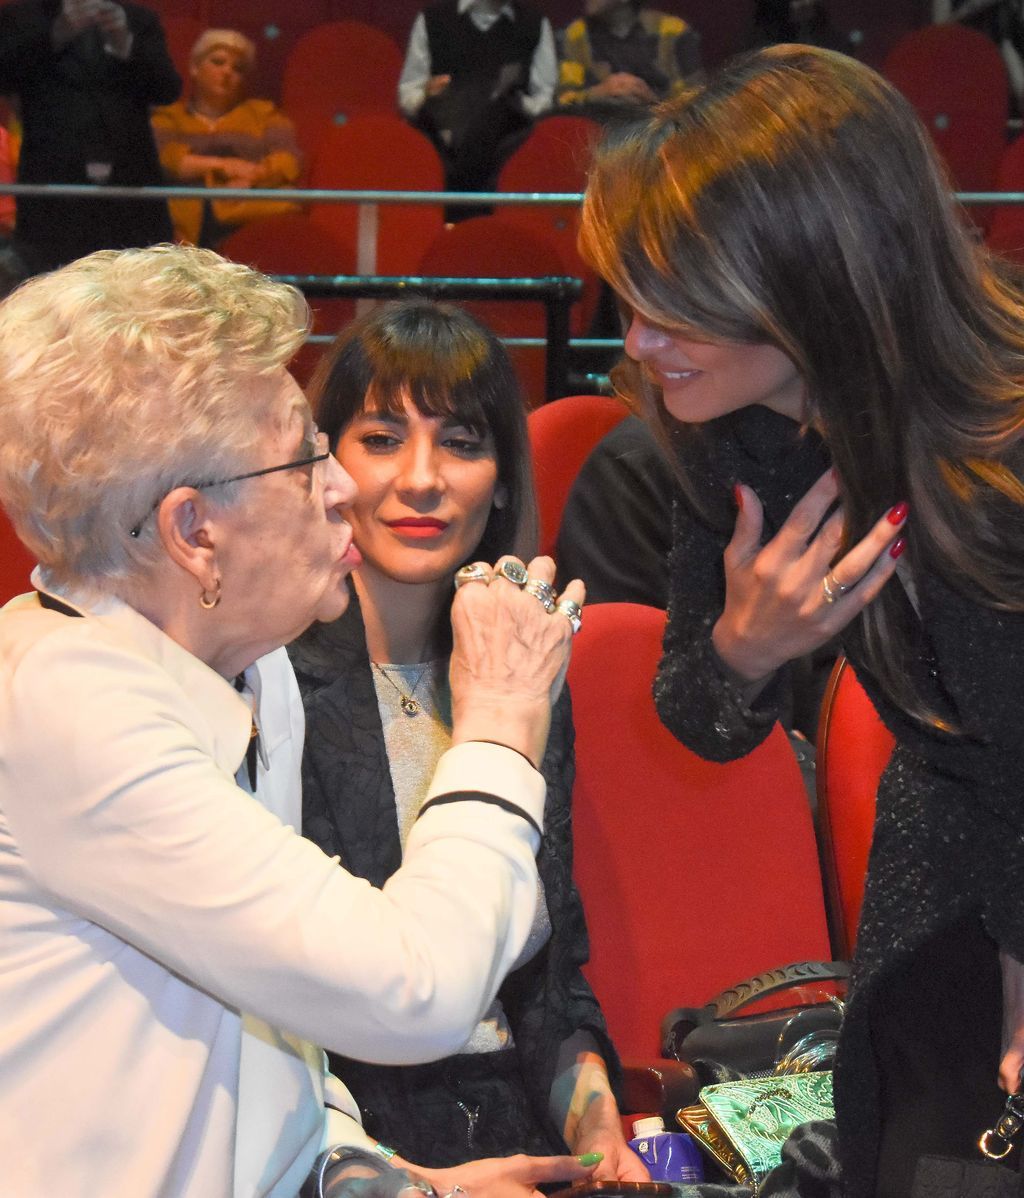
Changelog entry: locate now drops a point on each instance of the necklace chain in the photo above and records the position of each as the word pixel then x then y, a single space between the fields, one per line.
pixel 407 700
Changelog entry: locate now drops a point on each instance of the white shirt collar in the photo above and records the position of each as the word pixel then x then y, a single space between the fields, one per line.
pixel 506 10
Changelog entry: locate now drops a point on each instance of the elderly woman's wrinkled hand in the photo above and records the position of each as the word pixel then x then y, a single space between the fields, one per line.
pixel 512 636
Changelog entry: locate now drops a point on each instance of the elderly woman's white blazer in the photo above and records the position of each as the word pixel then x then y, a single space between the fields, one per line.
pixel 147 901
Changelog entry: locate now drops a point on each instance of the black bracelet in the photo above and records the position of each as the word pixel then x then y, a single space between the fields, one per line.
pixel 480 741
pixel 479 796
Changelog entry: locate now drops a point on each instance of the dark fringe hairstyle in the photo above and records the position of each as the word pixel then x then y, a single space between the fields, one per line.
pixel 449 365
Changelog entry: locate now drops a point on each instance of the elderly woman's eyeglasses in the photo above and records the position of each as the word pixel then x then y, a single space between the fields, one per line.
pixel 314 440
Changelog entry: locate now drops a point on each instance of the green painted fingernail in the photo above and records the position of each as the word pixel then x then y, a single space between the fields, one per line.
pixel 591 1158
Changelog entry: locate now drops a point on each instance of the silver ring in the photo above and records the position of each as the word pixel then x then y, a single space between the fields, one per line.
pixel 474 572
pixel 513 571
pixel 832 588
pixel 542 591
pixel 572 612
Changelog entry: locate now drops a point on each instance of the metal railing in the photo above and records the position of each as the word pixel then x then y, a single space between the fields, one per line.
pixel 310 195
pixel 556 292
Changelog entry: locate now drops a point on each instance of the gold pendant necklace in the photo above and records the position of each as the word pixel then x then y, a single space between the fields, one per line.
pixel 407 701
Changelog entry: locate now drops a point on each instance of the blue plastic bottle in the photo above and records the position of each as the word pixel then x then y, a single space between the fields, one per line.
pixel 668 1155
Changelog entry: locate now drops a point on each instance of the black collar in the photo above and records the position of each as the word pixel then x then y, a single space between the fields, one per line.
pixel 56 604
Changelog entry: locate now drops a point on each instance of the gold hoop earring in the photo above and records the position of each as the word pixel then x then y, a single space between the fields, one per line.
pixel 209 604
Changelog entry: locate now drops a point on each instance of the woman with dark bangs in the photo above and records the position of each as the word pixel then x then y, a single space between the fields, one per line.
pixel 421 404
pixel 839 373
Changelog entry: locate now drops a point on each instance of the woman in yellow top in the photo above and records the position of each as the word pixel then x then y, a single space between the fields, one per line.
pixel 218 138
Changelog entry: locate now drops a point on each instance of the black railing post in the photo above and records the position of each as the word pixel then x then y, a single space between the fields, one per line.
pixel 556 362
pixel 555 292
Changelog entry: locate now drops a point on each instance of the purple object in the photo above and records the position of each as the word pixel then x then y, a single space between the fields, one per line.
pixel 668 1155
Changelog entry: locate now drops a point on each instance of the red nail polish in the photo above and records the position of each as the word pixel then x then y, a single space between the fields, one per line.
pixel 737 494
pixel 897 514
pixel 897 548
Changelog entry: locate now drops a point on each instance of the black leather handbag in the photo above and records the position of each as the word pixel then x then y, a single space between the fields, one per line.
pixel 752 1043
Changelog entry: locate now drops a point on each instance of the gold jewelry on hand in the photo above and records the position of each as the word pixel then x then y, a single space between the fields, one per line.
pixel 832 588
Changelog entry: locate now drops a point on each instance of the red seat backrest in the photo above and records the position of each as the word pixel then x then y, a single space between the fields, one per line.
pixel 694 875
pixel 293 244
pixel 493 247
pixel 181 33
pixel 853 749
pixel 1006 228
pixel 379 152
pixel 950 66
pixel 562 434
pixel 555 157
pixel 335 71
pixel 16 563
pixel 956 80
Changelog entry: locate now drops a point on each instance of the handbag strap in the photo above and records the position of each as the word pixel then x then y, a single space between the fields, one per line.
pixel 773 980
pixel 682 1020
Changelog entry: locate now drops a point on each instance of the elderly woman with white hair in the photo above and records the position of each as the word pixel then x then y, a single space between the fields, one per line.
pixel 171 949
pixel 218 138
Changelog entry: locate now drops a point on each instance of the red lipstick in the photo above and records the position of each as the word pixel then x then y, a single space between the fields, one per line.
pixel 419 527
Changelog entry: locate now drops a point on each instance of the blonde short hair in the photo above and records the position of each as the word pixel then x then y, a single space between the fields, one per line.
pixel 227 39
pixel 124 375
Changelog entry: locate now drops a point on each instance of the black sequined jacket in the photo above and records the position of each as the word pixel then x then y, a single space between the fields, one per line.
pixel 949 833
pixel 349 810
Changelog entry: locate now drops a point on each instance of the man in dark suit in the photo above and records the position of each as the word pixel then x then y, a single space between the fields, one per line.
pixel 85 73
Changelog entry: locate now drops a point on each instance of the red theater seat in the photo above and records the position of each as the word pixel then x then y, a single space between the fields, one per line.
pixel 379 152
pixel 562 434
pixel 956 80
pixel 293 244
pixel 181 33
pixel 555 157
pixel 854 747
pixel 334 72
pixel 16 563
pixel 1006 228
pixel 694 875
pixel 496 248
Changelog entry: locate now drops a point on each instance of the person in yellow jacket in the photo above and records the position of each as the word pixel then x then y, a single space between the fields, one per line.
pixel 218 138
pixel 620 51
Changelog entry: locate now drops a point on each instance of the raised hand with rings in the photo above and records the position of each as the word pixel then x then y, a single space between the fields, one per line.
pixel 572 612
pixel 542 591
pixel 513 571
pixel 474 572
pixel 788 597
pixel 511 650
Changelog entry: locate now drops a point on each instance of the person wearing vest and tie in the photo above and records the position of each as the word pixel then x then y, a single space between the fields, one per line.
pixel 476 75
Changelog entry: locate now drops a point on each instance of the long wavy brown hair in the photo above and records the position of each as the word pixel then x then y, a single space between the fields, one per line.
pixel 797 201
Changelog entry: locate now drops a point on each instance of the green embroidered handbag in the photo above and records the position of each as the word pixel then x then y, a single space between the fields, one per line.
pixel 744 1124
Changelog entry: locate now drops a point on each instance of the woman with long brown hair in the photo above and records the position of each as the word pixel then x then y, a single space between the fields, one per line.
pixel 839 372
